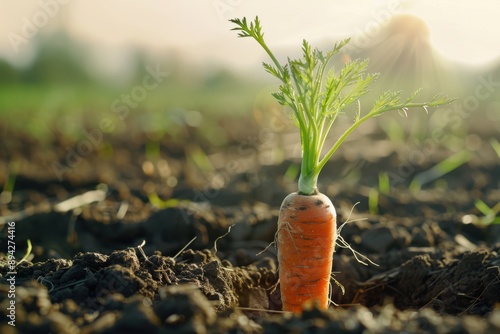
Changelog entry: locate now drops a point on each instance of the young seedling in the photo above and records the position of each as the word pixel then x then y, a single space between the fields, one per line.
pixel 490 214
pixel 8 187
pixel 384 188
pixel 316 95
pixel 496 146
pixel 440 169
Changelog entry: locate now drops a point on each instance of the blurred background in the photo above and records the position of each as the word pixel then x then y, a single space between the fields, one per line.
pixel 62 58
pixel 174 69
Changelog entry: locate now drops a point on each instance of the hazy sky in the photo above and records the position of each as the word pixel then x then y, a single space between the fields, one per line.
pixel 462 30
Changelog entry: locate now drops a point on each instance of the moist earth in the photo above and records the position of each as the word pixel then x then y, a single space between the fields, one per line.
pixel 128 243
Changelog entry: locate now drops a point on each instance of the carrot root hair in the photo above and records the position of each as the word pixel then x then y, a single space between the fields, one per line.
pixel 341 242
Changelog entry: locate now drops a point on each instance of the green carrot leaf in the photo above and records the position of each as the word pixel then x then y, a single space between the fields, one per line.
pixel 316 93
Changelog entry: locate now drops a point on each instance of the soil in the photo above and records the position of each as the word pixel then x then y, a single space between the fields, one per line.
pixel 110 257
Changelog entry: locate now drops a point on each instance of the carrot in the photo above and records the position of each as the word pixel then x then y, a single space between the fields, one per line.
pixel 306 241
pixel 316 95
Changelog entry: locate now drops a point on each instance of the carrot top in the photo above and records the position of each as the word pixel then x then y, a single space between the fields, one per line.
pixel 316 94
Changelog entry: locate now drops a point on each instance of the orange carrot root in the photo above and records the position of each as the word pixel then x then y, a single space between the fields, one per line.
pixel 306 241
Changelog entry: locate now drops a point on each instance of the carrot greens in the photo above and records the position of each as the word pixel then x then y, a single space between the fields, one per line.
pixel 316 93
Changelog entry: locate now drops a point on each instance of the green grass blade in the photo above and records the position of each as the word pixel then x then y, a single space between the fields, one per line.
pixel 496 146
pixel 439 170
